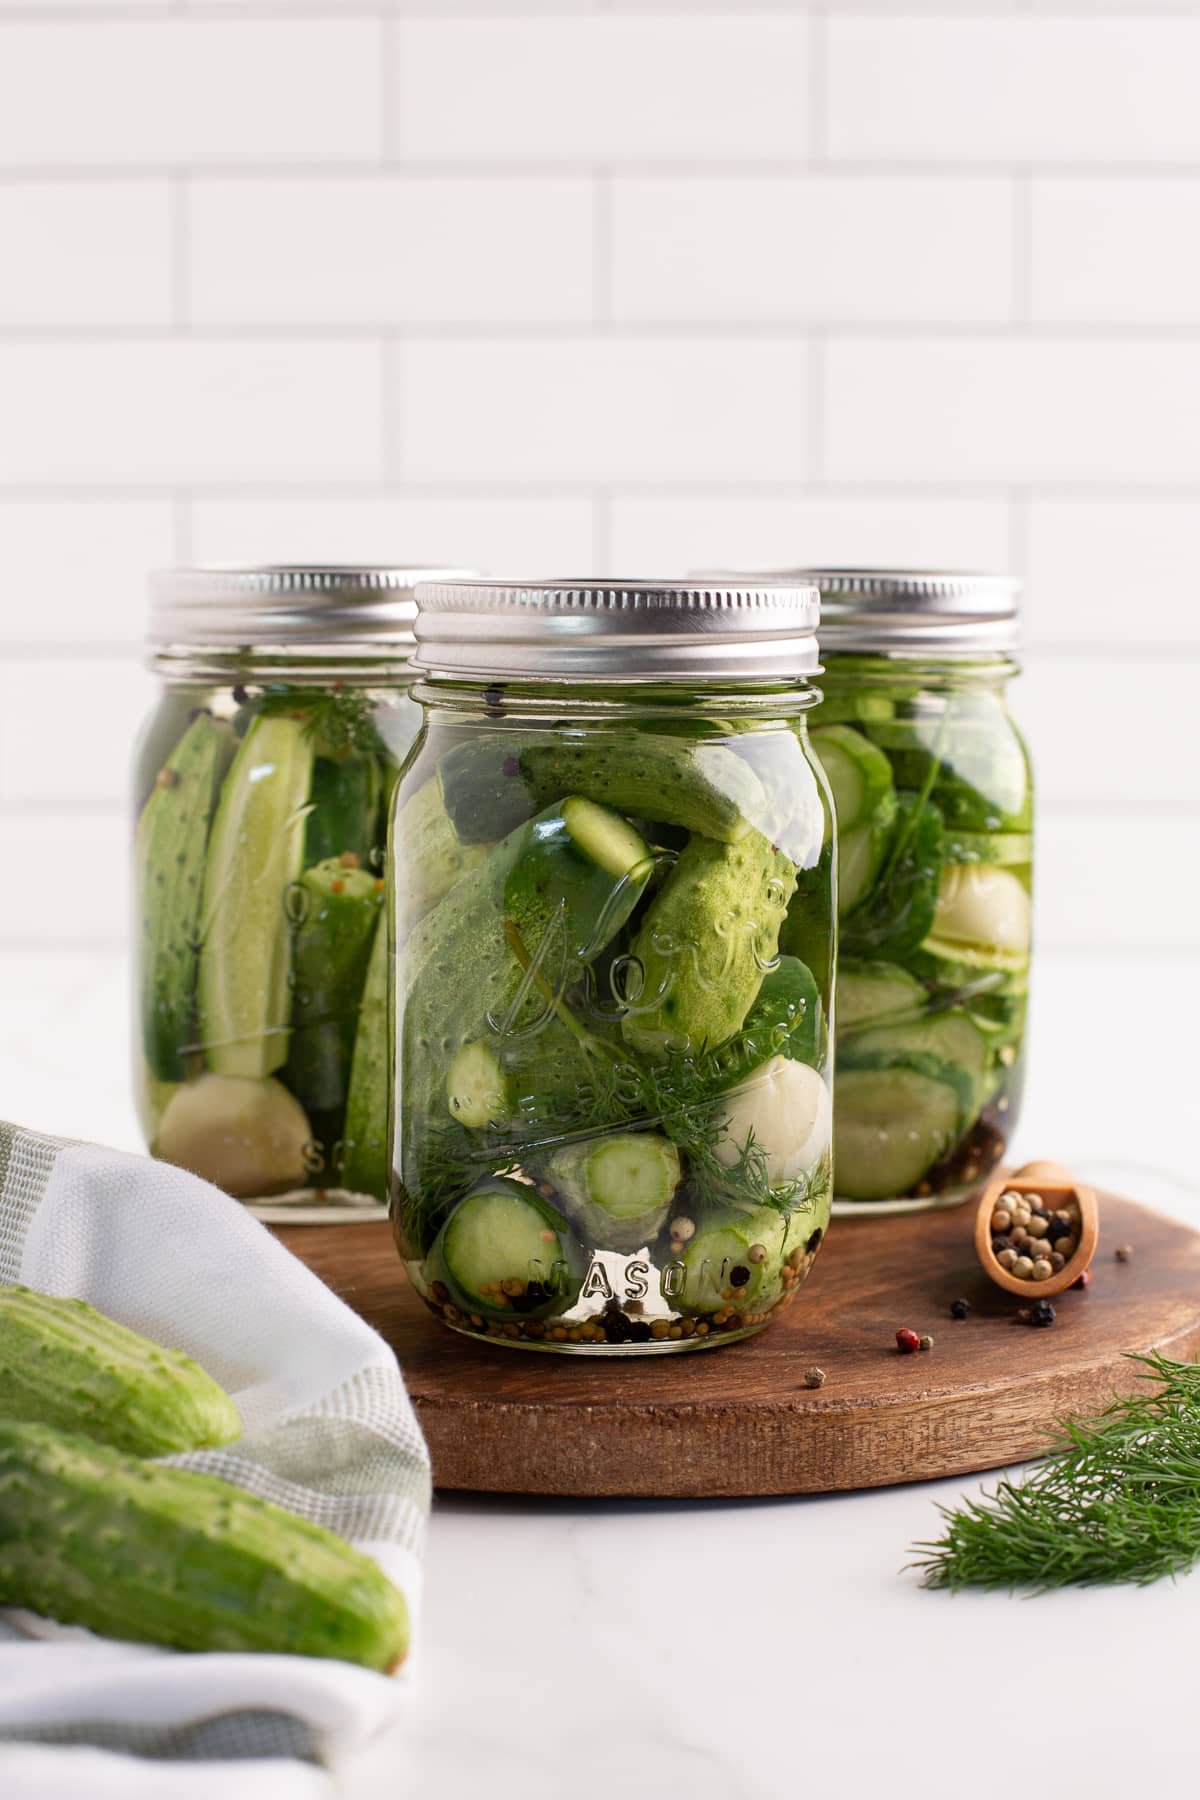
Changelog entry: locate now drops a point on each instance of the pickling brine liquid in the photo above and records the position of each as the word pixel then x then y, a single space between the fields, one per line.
pixel 934 802
pixel 261 1054
pixel 612 968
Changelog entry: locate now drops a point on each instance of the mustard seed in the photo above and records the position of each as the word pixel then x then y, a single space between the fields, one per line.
pixel 814 1377
pixel 1124 1253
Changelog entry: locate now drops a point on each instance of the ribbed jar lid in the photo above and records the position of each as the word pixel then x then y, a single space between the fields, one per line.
pixel 286 603
pixel 907 611
pixel 618 631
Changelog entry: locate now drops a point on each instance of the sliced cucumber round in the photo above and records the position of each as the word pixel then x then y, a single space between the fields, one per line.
pixel 859 773
pixel 476 1088
pixel 952 1037
pixel 618 1189
pixel 734 1260
pixel 892 1125
pixel 875 992
pixel 507 1253
pixel 861 851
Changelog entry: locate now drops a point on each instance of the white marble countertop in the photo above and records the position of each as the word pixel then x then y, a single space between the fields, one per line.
pixel 755 1650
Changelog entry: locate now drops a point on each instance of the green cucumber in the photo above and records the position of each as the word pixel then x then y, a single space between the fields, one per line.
pixel 247 1135
pixel 345 797
pixel 871 993
pixel 859 773
pixel 617 1189
pixel 140 1550
pixel 951 1036
pixel 861 854
pixel 809 931
pixel 364 1153
pixel 255 853
pixel 505 1252
pixel 477 1090
pixel 172 837
pixel 891 1125
pixel 787 1018
pixel 62 1363
pixel 429 856
pixel 704 944
pixel 959 958
pixel 340 907
pixel 854 1059
pixel 492 785
pixel 733 1251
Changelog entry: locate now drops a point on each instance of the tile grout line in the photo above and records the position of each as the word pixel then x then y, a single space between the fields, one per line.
pixel 179 201
pixel 602 246
pixel 818 87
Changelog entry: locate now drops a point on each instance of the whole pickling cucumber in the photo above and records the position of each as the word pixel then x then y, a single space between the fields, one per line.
pixel 172 837
pixel 704 943
pixel 63 1363
pixel 492 785
pixel 342 906
pixel 255 853
pixel 160 1555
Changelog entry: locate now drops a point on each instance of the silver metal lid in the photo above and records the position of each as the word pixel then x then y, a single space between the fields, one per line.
pixel 283 603
pixel 618 631
pixel 907 611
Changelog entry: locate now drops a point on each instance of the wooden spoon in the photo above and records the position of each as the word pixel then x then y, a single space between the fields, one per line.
pixel 1051 1186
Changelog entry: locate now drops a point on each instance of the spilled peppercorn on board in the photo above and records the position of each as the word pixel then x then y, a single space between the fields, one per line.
pixel 744 1422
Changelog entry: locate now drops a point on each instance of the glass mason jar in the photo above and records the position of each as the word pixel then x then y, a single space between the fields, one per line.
pixel 261 791
pixel 934 804
pixel 612 1120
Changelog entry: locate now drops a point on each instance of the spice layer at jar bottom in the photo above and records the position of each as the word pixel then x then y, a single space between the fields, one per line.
pixel 613 1109
pixel 935 861
pixel 260 934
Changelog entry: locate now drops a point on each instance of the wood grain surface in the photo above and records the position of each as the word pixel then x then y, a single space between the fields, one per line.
pixel 738 1420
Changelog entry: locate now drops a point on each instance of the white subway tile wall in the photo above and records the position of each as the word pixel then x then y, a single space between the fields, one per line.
pixel 603 285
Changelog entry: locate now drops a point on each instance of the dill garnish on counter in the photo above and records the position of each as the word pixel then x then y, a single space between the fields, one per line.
pixel 1118 1501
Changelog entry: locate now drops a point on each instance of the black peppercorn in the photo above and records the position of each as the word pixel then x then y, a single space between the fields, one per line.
pixel 1042 1313
pixel 959 1309
pixel 639 1331
pixel 739 1276
pixel 1000 1242
pixel 814 1241
pixel 1058 1228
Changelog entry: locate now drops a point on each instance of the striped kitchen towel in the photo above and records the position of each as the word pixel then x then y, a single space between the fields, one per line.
pixel 328 1430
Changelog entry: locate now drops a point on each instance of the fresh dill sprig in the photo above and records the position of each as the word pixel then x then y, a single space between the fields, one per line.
pixel 1118 1500
pixel 341 719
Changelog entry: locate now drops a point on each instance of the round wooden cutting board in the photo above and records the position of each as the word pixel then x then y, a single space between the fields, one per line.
pixel 739 1420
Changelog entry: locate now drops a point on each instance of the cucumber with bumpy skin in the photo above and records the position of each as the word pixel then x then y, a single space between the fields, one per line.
pixel 143 1551
pixel 342 906
pixel 430 856
pixel 704 944
pixel 618 1189
pixel 172 837
pixel 62 1363
pixel 255 853
pixel 492 786
pixel 505 1252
